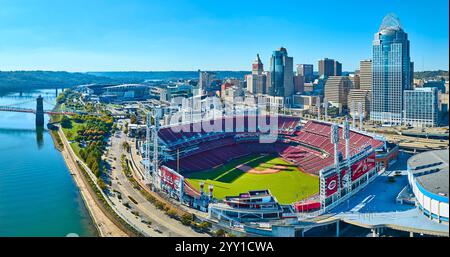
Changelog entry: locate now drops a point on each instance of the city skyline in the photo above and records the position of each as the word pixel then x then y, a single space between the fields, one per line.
pixel 140 36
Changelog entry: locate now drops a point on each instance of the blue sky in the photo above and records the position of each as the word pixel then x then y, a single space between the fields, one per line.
pixel 144 35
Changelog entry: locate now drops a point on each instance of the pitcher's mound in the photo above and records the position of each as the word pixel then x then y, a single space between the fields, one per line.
pixel 249 169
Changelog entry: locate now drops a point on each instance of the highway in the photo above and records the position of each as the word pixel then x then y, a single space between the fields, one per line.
pixel 104 225
pixel 116 205
pixel 161 224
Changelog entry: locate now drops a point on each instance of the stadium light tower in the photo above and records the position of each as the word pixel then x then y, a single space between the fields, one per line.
pixel 353 114
pixel 148 142
pixel 318 107
pixel 348 174
pixel 155 129
pixel 151 150
pixel 325 106
pixel 202 185
pixel 361 116
pixel 211 188
pixel 335 142
pixel 346 136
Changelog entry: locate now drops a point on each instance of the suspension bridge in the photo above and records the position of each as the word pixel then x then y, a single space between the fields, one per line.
pixel 39 111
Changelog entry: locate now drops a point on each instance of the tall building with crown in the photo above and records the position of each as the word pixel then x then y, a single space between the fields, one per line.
pixel 391 71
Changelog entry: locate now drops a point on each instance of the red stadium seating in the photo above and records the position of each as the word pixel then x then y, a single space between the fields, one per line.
pixel 310 147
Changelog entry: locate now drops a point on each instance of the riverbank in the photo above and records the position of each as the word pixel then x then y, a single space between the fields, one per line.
pixel 105 227
pixel 56 140
pixel 80 184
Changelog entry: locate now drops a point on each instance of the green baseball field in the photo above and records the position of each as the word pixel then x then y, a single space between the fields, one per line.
pixel 256 172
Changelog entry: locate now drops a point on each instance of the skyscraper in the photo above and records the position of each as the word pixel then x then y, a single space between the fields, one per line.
pixel 365 75
pixel 391 71
pixel 337 89
pixel 337 68
pixel 257 66
pixel 307 71
pixel 299 84
pixel 256 82
pixel 422 107
pixel 357 96
pixel 204 81
pixel 282 74
pixel 329 67
pixel 326 67
pixel 363 94
pixel 355 80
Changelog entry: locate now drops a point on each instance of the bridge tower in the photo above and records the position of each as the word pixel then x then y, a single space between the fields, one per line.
pixel 40 111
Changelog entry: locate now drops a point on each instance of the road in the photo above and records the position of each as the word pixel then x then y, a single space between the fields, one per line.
pixel 116 206
pixel 105 226
pixel 161 224
pixel 139 176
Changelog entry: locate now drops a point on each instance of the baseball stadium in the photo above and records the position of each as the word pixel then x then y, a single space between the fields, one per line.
pixel 298 169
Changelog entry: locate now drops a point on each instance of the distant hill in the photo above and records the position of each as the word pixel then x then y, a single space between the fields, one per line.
pixel 165 75
pixel 29 80
pixel 46 79
pixel 430 74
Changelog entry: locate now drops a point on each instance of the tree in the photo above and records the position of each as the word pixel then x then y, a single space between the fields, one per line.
pixel 126 146
pixel 61 97
pixel 220 233
pixel 133 119
pixel 172 213
pixel 95 169
pixel 186 219
pixel 83 154
pixel 204 225
pixel 65 122
pixel 101 183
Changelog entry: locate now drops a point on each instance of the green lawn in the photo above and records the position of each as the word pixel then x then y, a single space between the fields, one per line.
pixel 72 132
pixel 288 186
pixel 70 135
pixel 76 149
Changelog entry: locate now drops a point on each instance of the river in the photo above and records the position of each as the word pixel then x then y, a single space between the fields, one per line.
pixel 38 196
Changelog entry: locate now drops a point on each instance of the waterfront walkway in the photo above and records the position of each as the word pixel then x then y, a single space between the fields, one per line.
pixel 105 226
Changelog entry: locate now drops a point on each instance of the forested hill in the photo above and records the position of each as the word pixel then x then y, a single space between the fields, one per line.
pixel 166 75
pixel 29 80
pixel 431 74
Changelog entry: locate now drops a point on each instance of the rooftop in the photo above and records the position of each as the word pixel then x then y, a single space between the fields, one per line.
pixel 390 22
pixel 431 170
pixel 375 205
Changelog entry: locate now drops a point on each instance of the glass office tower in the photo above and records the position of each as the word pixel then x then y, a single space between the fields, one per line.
pixel 391 71
pixel 281 74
